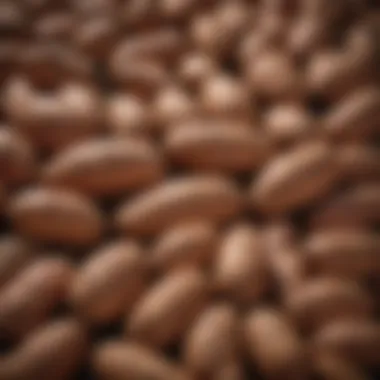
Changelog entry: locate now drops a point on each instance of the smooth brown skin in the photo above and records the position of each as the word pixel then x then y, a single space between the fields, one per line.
pixel 167 309
pixel 28 300
pixel 222 148
pixel 116 360
pixel 240 270
pixel 358 342
pixel 17 158
pixel 358 206
pixel 323 300
pixel 295 179
pixel 345 253
pixel 109 282
pixel 54 350
pixel 274 345
pixel 105 167
pixel 212 340
pixel 56 216
pixel 15 255
pixel 200 197
pixel 192 244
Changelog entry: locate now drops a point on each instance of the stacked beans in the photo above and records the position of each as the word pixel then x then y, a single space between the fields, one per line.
pixel 189 189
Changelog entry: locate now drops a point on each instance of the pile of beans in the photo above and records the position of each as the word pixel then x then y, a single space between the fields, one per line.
pixel 189 189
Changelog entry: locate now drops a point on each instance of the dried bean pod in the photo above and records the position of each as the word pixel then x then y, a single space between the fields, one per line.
pixel 166 311
pixel 56 216
pixel 109 283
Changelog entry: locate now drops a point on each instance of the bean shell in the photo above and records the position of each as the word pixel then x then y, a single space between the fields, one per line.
pixel 344 253
pixel 188 244
pixel 54 351
pixel 15 254
pixel 166 311
pixel 118 361
pixel 296 178
pixel 29 298
pixel 16 158
pixel 105 167
pixel 109 282
pixel 240 269
pixel 358 342
pixel 221 148
pixel 208 198
pixel 273 344
pixel 323 300
pixel 56 216
pixel 212 340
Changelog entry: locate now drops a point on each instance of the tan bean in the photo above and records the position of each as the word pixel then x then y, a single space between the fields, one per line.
pixel 212 341
pixel 323 300
pixel 185 245
pixel 17 161
pixel 54 351
pixel 358 342
pixel 30 297
pixel 274 345
pixel 15 255
pixel 296 178
pixel 166 311
pixel 356 116
pixel 105 167
pixel 344 253
pixel 241 270
pixel 109 282
pixel 128 115
pixel 224 148
pixel 357 206
pixel 56 216
pixel 208 198
pixel 118 361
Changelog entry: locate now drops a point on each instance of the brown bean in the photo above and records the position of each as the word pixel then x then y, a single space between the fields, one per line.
pixel 166 311
pixel 15 255
pixel 17 161
pixel 357 206
pixel 185 245
pixel 241 270
pixel 296 178
pixel 118 361
pixel 274 345
pixel 105 167
pixel 128 114
pixel 225 148
pixel 343 252
pixel 29 298
pixel 360 162
pixel 208 198
pixel 323 300
pixel 55 350
pixel 358 342
pixel 55 25
pixel 109 282
pixel 212 341
pixel 356 116
pixel 56 216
